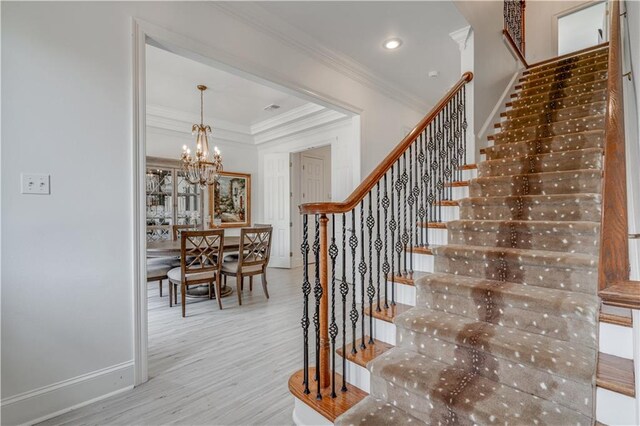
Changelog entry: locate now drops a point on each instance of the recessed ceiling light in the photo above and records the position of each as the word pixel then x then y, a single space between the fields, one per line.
pixel 392 43
pixel 271 107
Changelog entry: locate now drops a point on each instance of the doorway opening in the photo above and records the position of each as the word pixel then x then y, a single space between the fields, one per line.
pixel 581 28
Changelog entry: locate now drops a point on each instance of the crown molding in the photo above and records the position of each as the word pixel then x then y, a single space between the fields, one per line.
pixel 267 23
pixel 461 36
pixel 323 118
pixel 286 117
pixel 220 140
pixel 314 134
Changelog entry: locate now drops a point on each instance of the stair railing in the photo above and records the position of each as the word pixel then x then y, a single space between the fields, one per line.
pixel 613 268
pixel 373 235
pixel 514 28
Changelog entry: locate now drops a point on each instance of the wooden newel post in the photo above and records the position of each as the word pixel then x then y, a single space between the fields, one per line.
pixel 324 305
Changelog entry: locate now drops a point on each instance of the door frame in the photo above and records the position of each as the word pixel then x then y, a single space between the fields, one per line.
pixel 144 33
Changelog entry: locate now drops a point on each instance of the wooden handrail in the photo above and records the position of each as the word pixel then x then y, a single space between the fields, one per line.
pixel 614 250
pixel 367 185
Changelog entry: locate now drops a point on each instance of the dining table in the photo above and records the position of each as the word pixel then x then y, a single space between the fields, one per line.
pixel 162 248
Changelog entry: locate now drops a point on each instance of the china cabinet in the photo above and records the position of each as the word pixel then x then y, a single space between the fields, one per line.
pixel 170 199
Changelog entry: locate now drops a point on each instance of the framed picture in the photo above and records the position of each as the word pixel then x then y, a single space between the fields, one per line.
pixel 230 200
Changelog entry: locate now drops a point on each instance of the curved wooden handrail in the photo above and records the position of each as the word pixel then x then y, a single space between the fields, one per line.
pixel 367 185
pixel 614 250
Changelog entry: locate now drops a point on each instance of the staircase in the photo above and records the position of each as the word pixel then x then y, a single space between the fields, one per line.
pixel 454 293
pixel 505 329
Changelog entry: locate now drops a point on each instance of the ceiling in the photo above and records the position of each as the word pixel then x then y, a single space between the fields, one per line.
pixel 172 81
pixel 354 31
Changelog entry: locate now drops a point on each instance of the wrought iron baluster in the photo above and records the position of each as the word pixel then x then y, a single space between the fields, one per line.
pixel 333 327
pixel 398 247
pixel 362 268
pixel 378 246
pixel 441 154
pixel 448 149
pixel 459 133
pixel 317 292
pixel 420 180
pixel 410 202
pixel 306 289
pixel 386 268
pixel 371 291
pixel 344 290
pixel 433 164
pixel 393 225
pixel 405 233
pixel 353 314
pixel 464 125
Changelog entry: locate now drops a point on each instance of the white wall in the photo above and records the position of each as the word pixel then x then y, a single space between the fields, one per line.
pixel 494 65
pixel 67 280
pixel 579 30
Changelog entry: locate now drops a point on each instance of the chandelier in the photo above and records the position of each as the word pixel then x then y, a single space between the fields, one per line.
pixel 201 168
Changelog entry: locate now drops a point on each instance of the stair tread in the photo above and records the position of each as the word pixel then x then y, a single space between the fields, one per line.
pixel 544 105
pixel 363 356
pixel 532 198
pixel 330 408
pixel 524 256
pixel 566 127
pixel 598 53
pixel 408 279
pixel 573 80
pixel 616 374
pixel 471 396
pixel 584 68
pixel 563 161
pixel 569 139
pixel 569 360
pixel 588 88
pixel 537 299
pixel 373 411
pixel 388 314
pixel 512 118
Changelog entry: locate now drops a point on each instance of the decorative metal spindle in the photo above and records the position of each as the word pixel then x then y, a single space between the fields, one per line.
pixel 333 327
pixel 458 101
pixel 353 314
pixel 306 289
pixel 448 149
pixel 393 226
pixel 378 247
pixel 405 233
pixel 421 192
pixel 416 194
pixel 433 164
pixel 398 246
pixel 371 290
pixel 464 125
pixel 410 202
pixel 427 183
pixel 317 292
pixel 344 290
pixel 362 268
pixel 440 159
pixel 386 267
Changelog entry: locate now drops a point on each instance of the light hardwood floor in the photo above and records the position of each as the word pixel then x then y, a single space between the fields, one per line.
pixel 214 367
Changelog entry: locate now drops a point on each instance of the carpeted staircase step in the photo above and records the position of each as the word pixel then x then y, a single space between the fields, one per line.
pixel 563 271
pixel 554 75
pixel 559 236
pixel 580 159
pixel 562 315
pixel 562 83
pixel 556 105
pixel 572 207
pixel 594 122
pixel 449 392
pixel 591 88
pixel 584 140
pixel 575 61
pixel 554 115
pixel 373 411
pixel 569 182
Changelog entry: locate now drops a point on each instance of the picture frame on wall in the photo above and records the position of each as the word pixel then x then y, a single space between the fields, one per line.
pixel 230 200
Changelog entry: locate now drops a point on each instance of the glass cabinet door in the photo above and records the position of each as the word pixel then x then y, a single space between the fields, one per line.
pixel 188 201
pixel 160 206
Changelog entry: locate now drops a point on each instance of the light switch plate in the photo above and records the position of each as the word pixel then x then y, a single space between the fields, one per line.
pixel 35 183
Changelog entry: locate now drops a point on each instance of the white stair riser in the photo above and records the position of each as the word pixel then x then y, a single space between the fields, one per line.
pixel 303 415
pixel 615 408
pixel 616 340
pixel 384 331
pixel 357 376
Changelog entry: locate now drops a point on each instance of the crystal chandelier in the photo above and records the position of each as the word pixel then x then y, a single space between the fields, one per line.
pixel 200 168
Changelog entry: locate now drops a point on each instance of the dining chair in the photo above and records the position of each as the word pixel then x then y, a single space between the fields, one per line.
pixel 200 252
pixel 233 257
pixel 253 258
pixel 157 269
pixel 176 230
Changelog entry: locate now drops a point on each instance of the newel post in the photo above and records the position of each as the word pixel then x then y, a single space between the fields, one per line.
pixel 324 366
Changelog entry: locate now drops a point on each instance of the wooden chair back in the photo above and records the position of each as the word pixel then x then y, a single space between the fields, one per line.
pixel 201 251
pixel 157 232
pixel 176 230
pixel 256 242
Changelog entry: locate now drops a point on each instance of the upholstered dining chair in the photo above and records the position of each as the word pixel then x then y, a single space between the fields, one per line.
pixel 157 269
pixel 253 258
pixel 200 252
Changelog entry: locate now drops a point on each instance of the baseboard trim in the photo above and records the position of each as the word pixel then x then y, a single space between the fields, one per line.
pixel 50 401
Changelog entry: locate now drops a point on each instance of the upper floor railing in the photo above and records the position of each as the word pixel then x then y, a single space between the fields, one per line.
pixel 514 25
pixel 360 247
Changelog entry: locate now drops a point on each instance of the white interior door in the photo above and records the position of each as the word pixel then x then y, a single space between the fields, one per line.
pixel 313 190
pixel 276 207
